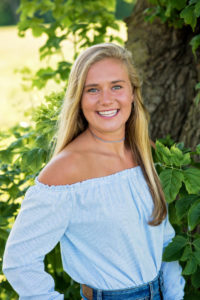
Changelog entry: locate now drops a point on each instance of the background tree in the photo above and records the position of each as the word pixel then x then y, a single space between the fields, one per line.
pixel 169 69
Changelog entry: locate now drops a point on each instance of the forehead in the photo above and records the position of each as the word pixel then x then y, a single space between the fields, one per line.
pixel 108 68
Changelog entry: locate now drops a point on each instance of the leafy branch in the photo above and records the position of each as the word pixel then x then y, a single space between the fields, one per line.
pixel 179 174
pixel 85 23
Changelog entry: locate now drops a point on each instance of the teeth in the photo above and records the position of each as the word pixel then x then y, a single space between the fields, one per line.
pixel 108 113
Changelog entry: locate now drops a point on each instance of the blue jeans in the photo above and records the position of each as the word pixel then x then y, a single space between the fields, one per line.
pixel 153 290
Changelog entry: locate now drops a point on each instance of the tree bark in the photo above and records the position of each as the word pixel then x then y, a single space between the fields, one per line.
pixel 169 73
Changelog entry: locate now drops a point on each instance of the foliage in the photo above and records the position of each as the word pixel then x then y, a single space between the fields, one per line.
pixel 176 13
pixel 179 174
pixel 124 8
pixel 85 23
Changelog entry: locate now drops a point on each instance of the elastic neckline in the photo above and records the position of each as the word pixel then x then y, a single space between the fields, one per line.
pixel 90 181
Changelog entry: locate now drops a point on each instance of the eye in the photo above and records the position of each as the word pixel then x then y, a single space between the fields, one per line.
pixel 92 90
pixel 117 87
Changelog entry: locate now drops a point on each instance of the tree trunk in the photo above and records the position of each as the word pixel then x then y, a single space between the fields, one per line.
pixel 169 73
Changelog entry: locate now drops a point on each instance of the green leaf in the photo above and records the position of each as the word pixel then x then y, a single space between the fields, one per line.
pixel 6 156
pixel 190 267
pixel 163 153
pixel 46 73
pixel 16 144
pixel 171 180
pixel 189 17
pixel 195 278
pixel 37 31
pixel 195 43
pixel 29 9
pixel 14 191
pixel 42 141
pixel 54 259
pixel 178 4
pixel 174 250
pixel 191 178
pixel 178 158
pixel 186 253
pixel 182 205
pixel 4 234
pixel 3 221
pixel 197 9
pixel 198 149
pixel 10 209
pixel 197 99
pixel 33 159
pixel 196 244
pixel 194 215
pixel 197 86
pixel 186 159
pixel 118 40
pixel 197 256
pixel 169 9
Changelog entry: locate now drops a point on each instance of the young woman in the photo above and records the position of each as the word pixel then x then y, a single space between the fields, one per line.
pixel 99 195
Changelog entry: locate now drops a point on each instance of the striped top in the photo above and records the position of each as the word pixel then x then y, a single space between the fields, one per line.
pixel 106 243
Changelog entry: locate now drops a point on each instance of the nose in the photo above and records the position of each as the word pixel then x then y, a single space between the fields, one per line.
pixel 106 97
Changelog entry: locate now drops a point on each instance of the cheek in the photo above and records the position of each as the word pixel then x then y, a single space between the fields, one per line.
pixel 87 105
pixel 126 100
pixel 84 102
pixel 88 102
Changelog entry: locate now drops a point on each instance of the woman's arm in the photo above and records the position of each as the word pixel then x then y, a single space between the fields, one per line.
pixel 174 282
pixel 40 224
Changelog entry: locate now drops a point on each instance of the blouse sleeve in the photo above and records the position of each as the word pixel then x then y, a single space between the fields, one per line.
pixel 173 281
pixel 42 220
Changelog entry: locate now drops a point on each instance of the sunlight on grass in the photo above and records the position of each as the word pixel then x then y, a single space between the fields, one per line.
pixel 17 53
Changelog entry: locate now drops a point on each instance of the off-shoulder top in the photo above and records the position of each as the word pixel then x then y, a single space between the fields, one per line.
pixel 105 239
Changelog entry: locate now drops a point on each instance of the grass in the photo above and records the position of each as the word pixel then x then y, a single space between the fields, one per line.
pixel 17 53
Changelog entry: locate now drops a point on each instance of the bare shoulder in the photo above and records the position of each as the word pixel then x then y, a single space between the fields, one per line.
pixel 62 169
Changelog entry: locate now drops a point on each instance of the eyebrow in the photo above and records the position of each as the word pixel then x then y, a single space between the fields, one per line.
pixel 96 84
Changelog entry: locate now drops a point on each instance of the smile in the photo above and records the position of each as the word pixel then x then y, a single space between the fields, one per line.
pixel 108 113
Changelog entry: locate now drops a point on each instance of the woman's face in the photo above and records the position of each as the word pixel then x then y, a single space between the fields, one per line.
pixel 107 97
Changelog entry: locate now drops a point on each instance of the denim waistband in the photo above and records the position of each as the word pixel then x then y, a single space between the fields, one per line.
pixel 151 290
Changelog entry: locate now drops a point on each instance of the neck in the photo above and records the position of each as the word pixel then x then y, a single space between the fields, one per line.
pixel 109 145
pixel 106 141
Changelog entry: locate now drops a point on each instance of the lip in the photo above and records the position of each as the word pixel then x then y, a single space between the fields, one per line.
pixel 107 117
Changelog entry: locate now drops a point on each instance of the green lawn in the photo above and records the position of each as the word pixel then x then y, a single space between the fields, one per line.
pixel 17 53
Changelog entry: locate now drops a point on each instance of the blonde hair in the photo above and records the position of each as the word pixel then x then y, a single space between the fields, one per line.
pixel 72 121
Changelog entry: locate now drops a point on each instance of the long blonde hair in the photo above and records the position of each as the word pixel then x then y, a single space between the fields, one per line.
pixel 72 121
